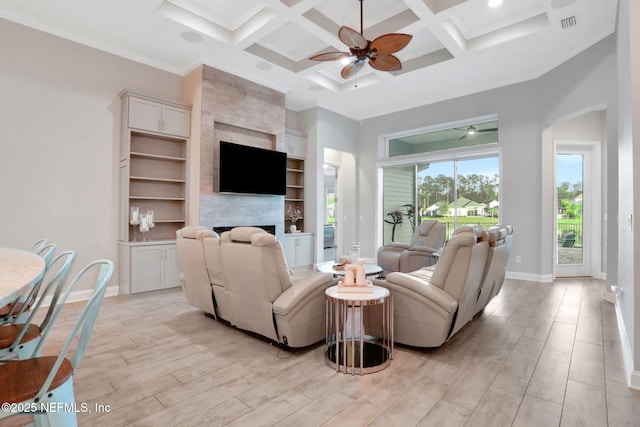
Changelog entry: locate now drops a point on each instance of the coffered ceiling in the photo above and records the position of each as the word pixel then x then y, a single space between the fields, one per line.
pixel 458 47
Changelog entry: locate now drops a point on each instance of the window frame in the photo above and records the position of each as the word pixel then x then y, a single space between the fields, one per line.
pixel 454 154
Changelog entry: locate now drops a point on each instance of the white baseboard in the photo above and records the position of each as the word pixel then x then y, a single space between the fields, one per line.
pixel 84 295
pixel 543 278
pixel 627 355
pixel 634 381
pixel 528 276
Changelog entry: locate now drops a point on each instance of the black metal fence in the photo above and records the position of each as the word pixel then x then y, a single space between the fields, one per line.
pixel 564 229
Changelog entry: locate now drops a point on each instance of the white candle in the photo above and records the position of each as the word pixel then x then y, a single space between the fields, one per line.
pixel 134 215
pixel 144 224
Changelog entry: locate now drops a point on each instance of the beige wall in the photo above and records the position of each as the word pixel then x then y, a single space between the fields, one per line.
pixel 59 140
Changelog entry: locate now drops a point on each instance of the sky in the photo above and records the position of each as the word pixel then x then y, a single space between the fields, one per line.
pixel 569 168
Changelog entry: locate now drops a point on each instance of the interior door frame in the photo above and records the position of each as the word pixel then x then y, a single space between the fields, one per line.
pixel 338 208
pixel 591 206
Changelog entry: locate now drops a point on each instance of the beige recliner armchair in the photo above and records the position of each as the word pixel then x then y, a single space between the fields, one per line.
pixel 433 303
pixel 194 277
pixel 264 297
pixel 427 239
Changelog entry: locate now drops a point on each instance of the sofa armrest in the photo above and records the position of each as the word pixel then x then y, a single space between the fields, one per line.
pixel 393 247
pixel 424 289
pixel 398 245
pixel 303 287
pixel 426 250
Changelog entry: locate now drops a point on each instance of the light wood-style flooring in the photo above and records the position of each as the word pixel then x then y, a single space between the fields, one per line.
pixel 540 355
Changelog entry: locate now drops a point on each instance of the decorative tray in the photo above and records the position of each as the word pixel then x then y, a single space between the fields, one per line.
pixel 368 289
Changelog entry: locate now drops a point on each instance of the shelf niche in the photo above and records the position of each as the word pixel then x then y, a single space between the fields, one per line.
pixel 153 165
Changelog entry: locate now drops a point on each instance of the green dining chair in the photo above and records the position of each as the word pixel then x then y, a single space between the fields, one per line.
pixel 37 245
pixel 20 339
pixel 46 383
pixel 18 310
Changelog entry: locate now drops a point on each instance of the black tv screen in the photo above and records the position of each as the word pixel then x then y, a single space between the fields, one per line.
pixel 251 170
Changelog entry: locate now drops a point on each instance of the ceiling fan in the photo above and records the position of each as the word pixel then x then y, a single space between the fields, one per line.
pixel 472 130
pixel 378 52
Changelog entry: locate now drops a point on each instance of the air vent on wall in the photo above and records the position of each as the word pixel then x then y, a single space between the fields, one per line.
pixel 568 22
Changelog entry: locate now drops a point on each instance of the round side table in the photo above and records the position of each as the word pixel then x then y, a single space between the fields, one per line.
pixel 348 348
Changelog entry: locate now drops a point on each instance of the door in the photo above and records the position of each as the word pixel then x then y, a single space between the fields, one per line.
pixel 331 205
pixel 146 268
pixel 577 207
pixel 176 121
pixel 171 267
pixel 144 114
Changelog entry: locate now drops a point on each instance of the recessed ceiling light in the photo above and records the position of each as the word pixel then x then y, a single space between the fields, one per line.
pixel 192 36
pixel 264 66
pixel 495 3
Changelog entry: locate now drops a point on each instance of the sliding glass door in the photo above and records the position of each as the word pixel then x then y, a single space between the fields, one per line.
pixel 455 192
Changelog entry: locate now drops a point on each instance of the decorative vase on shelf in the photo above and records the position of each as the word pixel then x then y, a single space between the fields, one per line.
pixel 134 219
pixel 144 226
pixel 292 228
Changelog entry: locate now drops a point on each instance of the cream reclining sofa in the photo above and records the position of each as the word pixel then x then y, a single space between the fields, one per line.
pixel 500 237
pixel 242 277
pixel 432 303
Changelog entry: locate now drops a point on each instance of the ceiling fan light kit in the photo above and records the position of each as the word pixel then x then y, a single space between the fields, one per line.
pixel 377 52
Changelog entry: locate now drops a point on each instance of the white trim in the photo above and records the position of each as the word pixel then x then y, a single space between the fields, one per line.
pixel 84 295
pixel 627 355
pixel 634 380
pixel 543 278
pixel 601 275
pixel 439 126
pixel 592 208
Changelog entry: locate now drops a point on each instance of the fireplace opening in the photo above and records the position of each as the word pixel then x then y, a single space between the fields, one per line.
pixel 268 228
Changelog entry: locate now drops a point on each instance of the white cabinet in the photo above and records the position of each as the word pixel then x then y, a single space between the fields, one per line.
pixel 298 249
pixel 155 116
pixel 153 164
pixel 148 266
pixel 295 144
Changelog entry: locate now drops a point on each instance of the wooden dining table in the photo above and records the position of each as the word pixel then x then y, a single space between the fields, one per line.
pixel 19 270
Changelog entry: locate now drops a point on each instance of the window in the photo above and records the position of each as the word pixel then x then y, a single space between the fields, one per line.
pixel 457 186
pixel 469 135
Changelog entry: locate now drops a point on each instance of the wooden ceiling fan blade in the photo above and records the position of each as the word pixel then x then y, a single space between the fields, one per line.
pixel 350 69
pixel 488 130
pixel 352 38
pixel 385 62
pixel 390 43
pixel 330 56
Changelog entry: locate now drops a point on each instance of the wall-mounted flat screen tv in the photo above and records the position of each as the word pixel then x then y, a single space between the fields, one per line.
pixel 251 170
